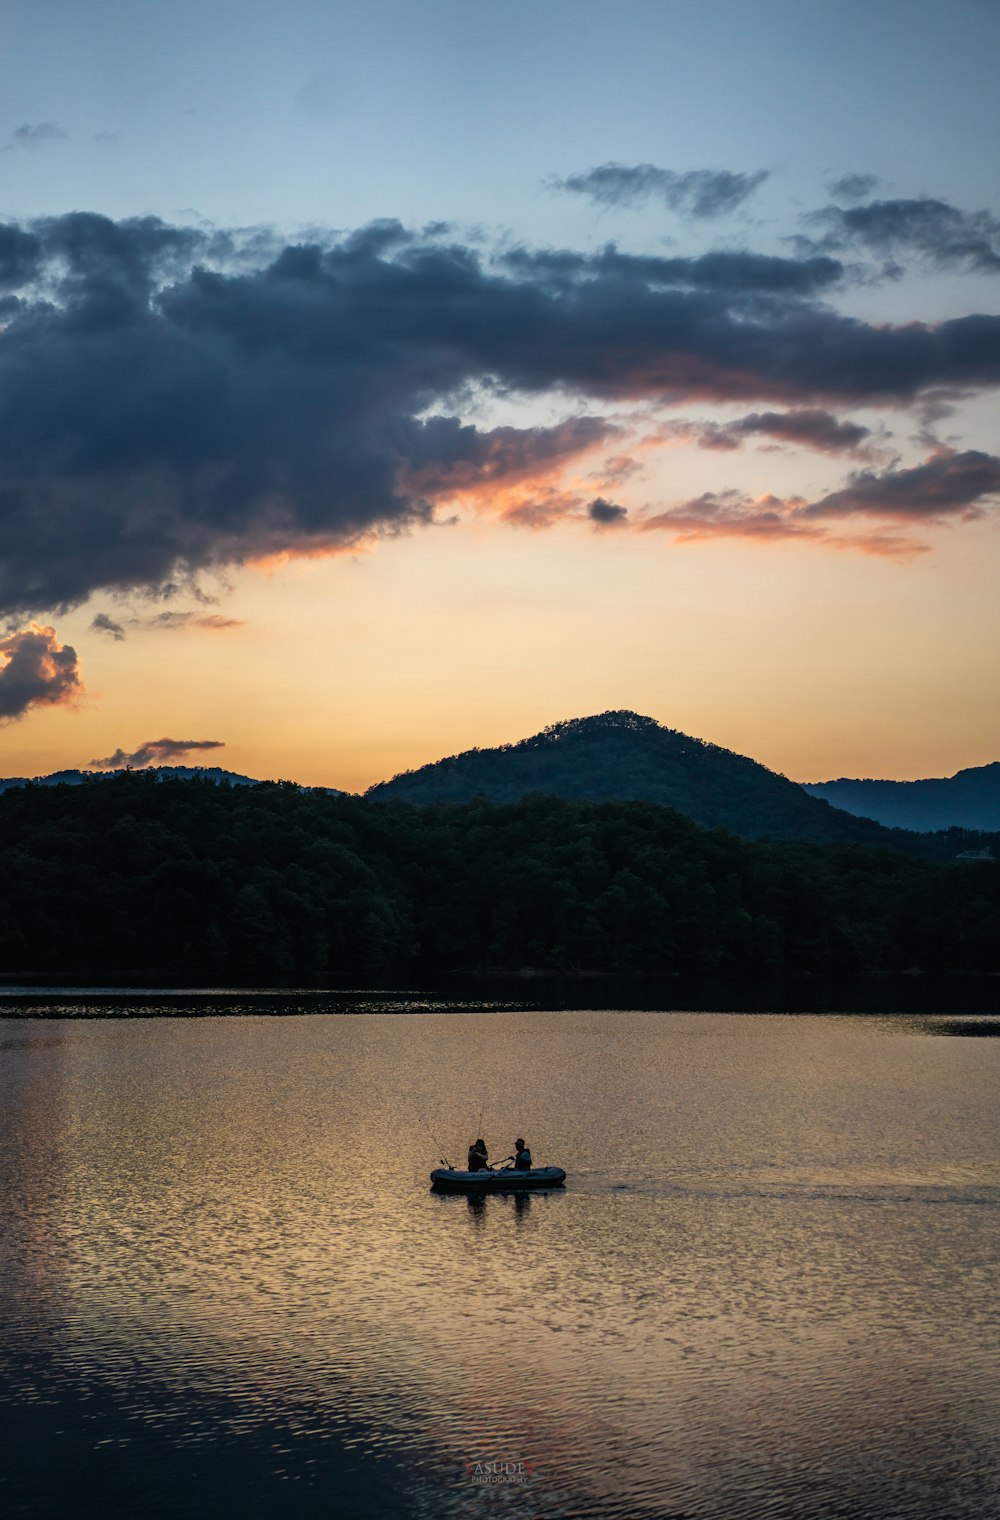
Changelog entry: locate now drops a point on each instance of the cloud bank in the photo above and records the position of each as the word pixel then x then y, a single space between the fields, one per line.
pixel 174 401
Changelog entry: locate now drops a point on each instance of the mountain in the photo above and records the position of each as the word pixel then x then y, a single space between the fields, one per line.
pixel 969 800
pixel 161 772
pixel 621 756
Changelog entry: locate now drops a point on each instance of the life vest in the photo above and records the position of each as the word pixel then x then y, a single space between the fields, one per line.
pixel 522 1161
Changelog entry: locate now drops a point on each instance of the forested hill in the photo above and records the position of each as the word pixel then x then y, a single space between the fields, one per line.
pixel 625 757
pixel 131 876
pixel 158 772
pixel 970 799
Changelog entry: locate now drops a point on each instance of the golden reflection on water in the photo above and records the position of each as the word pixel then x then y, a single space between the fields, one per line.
pixel 766 1288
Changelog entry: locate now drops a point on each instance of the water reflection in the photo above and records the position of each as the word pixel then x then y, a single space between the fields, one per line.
pixel 515 1205
pixel 32 1041
pixel 765 1290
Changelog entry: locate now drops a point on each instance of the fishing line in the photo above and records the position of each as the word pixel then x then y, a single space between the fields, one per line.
pixel 442 1158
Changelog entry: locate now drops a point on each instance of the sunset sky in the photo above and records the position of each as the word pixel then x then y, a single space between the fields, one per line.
pixel 379 380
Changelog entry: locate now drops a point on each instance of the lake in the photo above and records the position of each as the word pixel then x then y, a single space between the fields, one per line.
pixel 767 1290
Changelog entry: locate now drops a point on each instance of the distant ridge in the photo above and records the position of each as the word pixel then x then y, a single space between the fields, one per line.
pixel 161 772
pixel 622 756
pixel 968 800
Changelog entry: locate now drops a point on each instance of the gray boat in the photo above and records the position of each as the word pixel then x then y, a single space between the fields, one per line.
pixel 449 1179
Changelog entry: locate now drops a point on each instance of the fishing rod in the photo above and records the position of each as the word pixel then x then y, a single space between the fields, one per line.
pixel 422 1120
pixel 443 1159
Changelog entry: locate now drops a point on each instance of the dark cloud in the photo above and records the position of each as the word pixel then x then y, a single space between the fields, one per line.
pixel 738 272
pixel 809 427
pixel 948 484
pixel 446 455
pixel 174 401
pixel 104 624
pixel 35 134
pixel 20 257
pixel 38 672
pixel 696 192
pixel 932 229
pixel 606 513
pixel 155 752
pixel 853 187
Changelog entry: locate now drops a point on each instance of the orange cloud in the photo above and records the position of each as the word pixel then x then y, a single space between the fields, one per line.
pixel 730 514
pixel 538 507
pixel 529 478
pixel 480 468
pixel 891 545
pixel 38 671
pixel 276 558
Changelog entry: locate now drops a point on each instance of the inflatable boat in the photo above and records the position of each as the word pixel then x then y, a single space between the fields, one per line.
pixel 505 1179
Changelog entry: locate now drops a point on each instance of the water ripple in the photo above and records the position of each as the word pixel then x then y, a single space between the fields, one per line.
pixel 767 1290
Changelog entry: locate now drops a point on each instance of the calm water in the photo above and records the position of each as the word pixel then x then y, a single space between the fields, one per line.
pixel 767 1291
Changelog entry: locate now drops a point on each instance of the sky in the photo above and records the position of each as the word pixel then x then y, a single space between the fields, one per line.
pixel 380 380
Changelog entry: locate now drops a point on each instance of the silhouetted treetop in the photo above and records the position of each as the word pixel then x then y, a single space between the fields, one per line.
pixel 184 878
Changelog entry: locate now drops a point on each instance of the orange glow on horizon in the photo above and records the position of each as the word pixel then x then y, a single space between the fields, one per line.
pixel 351 665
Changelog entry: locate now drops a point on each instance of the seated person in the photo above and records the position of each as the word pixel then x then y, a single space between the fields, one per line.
pixel 522 1157
pixel 479 1160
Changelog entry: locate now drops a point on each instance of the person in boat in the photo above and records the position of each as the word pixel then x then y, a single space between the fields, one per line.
pixel 521 1157
pixel 479 1160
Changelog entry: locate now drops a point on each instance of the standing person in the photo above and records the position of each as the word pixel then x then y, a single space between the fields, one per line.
pixel 479 1160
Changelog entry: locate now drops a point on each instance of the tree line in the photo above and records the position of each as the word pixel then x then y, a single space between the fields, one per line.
pixel 276 882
